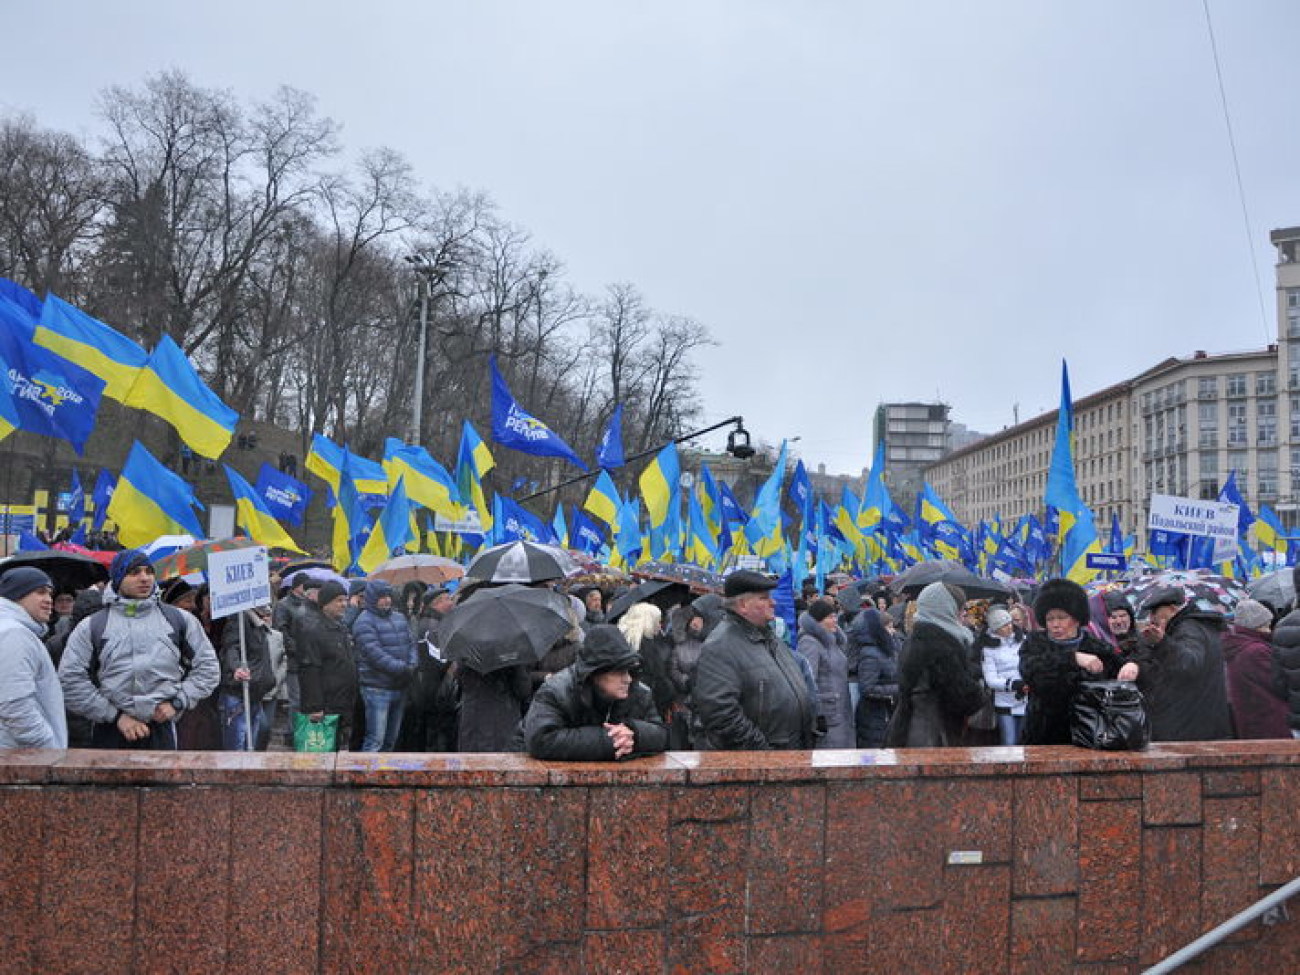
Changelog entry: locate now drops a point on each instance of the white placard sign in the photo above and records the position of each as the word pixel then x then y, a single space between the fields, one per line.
pixel 1217 519
pixel 238 579
pixel 469 525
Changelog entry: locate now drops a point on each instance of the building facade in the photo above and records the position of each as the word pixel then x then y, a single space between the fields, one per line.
pixel 1178 428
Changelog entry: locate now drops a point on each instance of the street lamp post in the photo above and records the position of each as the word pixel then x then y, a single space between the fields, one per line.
pixel 428 270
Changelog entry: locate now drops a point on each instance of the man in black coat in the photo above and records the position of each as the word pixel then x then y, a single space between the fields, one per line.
pixel 749 691
pixel 1183 669
pixel 595 709
pixel 1286 660
pixel 327 663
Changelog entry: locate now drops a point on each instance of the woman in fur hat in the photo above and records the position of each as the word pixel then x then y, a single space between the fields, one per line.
pixel 1055 659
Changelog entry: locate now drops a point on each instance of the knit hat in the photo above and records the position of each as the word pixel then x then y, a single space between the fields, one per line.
pixel 997 618
pixel 330 590
pixel 1069 597
pixel 19 581
pixel 1252 615
pixel 124 563
pixel 820 609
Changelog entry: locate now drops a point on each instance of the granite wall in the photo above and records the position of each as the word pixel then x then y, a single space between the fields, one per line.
pixel 995 860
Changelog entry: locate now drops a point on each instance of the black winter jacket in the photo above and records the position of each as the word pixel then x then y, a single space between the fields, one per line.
pixel 1183 678
pixel 1052 678
pixel 565 722
pixel 750 692
pixel 938 690
pixel 327 666
pixel 257 651
pixel 1286 663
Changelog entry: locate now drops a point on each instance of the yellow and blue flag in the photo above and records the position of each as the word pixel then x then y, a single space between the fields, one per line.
pixel 603 500
pixel 763 530
pixel 1269 532
pixel 1079 535
pixel 428 483
pixel 350 519
pixel 46 394
pixel 516 428
pixel 89 343
pixel 659 483
pixel 473 461
pixel 876 502
pixel 391 532
pixel 254 517
pixel 702 545
pixel 150 500
pixel 167 386
pixel 326 458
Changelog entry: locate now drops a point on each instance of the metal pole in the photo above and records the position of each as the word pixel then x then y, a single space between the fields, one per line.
pixel 417 408
pixel 1212 938
pixel 248 694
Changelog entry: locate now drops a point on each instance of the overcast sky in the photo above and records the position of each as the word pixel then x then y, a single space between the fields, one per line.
pixel 864 202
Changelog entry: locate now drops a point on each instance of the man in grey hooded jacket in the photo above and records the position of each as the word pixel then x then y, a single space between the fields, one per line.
pixel 141 684
pixel 31 703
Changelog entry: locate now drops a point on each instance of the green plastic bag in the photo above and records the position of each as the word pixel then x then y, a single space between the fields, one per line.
pixel 314 736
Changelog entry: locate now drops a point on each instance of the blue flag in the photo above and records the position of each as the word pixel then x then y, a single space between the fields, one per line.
pixel 610 452
pixel 517 523
pixel 514 427
pixel 100 496
pixel 286 497
pixel 51 396
pixel 76 500
pixel 585 534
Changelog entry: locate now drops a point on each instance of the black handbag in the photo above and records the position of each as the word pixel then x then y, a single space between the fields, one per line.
pixel 1110 716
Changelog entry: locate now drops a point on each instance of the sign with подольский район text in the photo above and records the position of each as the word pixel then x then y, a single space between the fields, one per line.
pixel 238 580
pixel 1188 516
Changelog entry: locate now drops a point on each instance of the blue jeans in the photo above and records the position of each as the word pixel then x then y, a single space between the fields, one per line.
pixel 1009 724
pixel 233 725
pixel 383 717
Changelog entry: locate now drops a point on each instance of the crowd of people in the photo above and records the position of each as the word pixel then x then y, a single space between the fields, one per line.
pixel 142 667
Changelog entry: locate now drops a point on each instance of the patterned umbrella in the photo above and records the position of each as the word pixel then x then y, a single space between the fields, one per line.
pixel 1208 591
pixel 195 558
pixel 523 562
pixel 688 574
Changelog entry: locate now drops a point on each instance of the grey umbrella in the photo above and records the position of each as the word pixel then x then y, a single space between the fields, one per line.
pixel 922 574
pixel 522 562
pixel 505 626
pixel 1275 588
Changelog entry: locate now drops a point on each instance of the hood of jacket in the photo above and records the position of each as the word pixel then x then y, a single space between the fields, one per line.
pixel 376 589
pixel 604 647
pixel 822 635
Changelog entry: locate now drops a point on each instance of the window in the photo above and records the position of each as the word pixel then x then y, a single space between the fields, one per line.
pixel 1209 465
pixel 1207 387
pixel 1208 415
pixel 1237 384
pixel 1265 383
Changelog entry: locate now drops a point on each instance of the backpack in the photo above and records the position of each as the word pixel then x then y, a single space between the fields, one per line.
pixel 174 616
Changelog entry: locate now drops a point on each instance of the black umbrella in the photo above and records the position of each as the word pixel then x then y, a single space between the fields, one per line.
pixel 520 562
pixel 922 574
pixel 661 592
pixel 505 626
pixel 687 573
pixel 69 571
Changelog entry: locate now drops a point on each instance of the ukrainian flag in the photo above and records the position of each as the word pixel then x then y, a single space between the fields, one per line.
pixel 703 546
pixel 875 499
pixel 427 482
pixel 763 530
pixel 169 387
pixel 1269 532
pixel 254 517
pixel 659 484
pixel 91 344
pixel 349 518
pixel 1078 532
pixel 326 458
pixel 603 500
pixel 150 500
pixel 391 532
pixel 473 461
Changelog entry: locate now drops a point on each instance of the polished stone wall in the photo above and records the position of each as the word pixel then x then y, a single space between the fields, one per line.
pixel 1030 860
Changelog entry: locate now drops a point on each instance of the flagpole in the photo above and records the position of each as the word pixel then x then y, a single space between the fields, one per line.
pixel 9 484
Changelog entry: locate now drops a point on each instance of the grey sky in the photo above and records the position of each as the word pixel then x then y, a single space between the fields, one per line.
pixel 862 201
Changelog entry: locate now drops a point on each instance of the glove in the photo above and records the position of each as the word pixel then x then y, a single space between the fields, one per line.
pixel 1018 689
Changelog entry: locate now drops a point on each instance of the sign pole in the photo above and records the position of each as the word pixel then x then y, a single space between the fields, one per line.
pixel 248 694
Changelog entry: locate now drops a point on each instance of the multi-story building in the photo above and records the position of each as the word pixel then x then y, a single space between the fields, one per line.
pixel 1178 428
pixel 915 435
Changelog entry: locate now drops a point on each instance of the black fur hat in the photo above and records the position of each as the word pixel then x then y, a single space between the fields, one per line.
pixel 1069 597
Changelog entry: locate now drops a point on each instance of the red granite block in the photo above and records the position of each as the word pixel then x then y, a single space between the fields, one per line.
pixel 22 827
pixel 1230 861
pixel 1171 877
pixel 1171 799
pixel 709 847
pixel 425 771
pixel 658 770
pixel 1277 949
pixel 1279 839
pixel 627 851
pixel 88 880
pixel 624 952
pixel 369 842
pixel 786 858
pixel 548 958
pixel 1103 788
pixel 976 922
pixel 543 860
pixel 459 901
pixel 28 766
pixel 1042 935
pixel 1230 782
pixel 905 941
pixel 800 953
pixel 275 869
pixel 1110 870
pixel 184 846
pixel 1046 857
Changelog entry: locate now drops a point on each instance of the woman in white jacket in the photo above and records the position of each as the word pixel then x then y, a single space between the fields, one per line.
pixel 1000 660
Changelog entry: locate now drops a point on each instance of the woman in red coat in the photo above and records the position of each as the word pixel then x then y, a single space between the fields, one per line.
pixel 1258 708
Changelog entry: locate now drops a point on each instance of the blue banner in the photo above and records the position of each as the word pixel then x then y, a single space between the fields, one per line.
pixel 285 496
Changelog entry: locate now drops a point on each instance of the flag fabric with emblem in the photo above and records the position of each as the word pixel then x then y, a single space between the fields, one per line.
pixel 254 517
pixel 285 497
pixel 609 453
pixel 105 482
pixel 516 428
